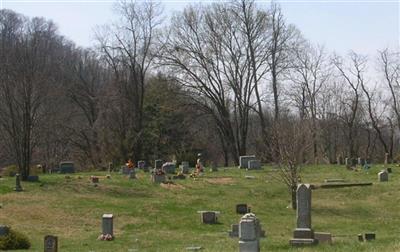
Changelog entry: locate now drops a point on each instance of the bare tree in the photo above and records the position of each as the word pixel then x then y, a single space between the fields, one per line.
pixel 129 48
pixel 353 76
pixel 28 64
pixel 206 51
pixel 290 135
pixel 310 72
pixel 280 45
pixel 374 117
pixel 390 66
pixel 86 79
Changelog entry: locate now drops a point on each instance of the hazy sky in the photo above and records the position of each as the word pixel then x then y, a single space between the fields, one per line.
pixel 364 26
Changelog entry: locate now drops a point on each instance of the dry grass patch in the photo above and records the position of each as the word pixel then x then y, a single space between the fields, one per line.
pixel 221 181
pixel 171 186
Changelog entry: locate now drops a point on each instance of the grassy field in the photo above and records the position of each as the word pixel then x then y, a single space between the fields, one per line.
pixel 150 217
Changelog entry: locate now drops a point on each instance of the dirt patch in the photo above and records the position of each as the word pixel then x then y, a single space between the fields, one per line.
pixel 172 186
pixel 221 181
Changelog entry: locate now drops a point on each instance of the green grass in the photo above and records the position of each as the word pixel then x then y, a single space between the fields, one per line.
pixel 149 217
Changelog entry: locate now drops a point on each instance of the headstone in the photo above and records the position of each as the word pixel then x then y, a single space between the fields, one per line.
pixel 360 237
pixel 303 234
pixel 254 164
pixel 323 237
pixel 241 209
pixel 169 167
pixel 4 230
pixel 184 167
pixel 125 170
pixel 370 236
pixel 389 170
pixel 346 162
pixel 244 161
pixel 110 167
pixel 18 187
pixel 107 224
pixel 67 167
pixel 32 178
pixel 132 174
pixel 158 163
pixel 50 243
pixel 249 233
pixel 359 161
pixel 158 178
pixel 234 230
pixel 208 217
pixel 141 164
pixel 383 176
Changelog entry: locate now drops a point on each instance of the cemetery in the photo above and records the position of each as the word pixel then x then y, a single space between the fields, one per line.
pixel 338 210
pixel 152 126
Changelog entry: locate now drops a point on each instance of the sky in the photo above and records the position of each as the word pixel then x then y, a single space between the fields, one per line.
pixel 340 25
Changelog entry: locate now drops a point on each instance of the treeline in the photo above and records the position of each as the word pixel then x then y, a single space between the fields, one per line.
pixel 224 79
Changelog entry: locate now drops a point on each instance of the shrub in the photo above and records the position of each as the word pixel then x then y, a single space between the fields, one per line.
pixel 14 240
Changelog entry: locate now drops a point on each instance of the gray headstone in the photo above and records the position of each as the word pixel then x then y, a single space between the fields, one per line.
pixel 67 167
pixel 303 234
pixel 241 209
pixel 169 167
pixel 323 237
pixel 208 217
pixel 158 178
pixel 234 230
pixel 50 243
pixel 107 224
pixel 254 165
pixel 184 167
pixel 244 161
pixel 141 164
pixel 249 233
pixel 304 206
pixel 158 163
pixel 383 176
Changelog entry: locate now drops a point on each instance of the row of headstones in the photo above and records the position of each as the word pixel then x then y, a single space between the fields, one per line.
pixel 168 167
pixel 356 161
